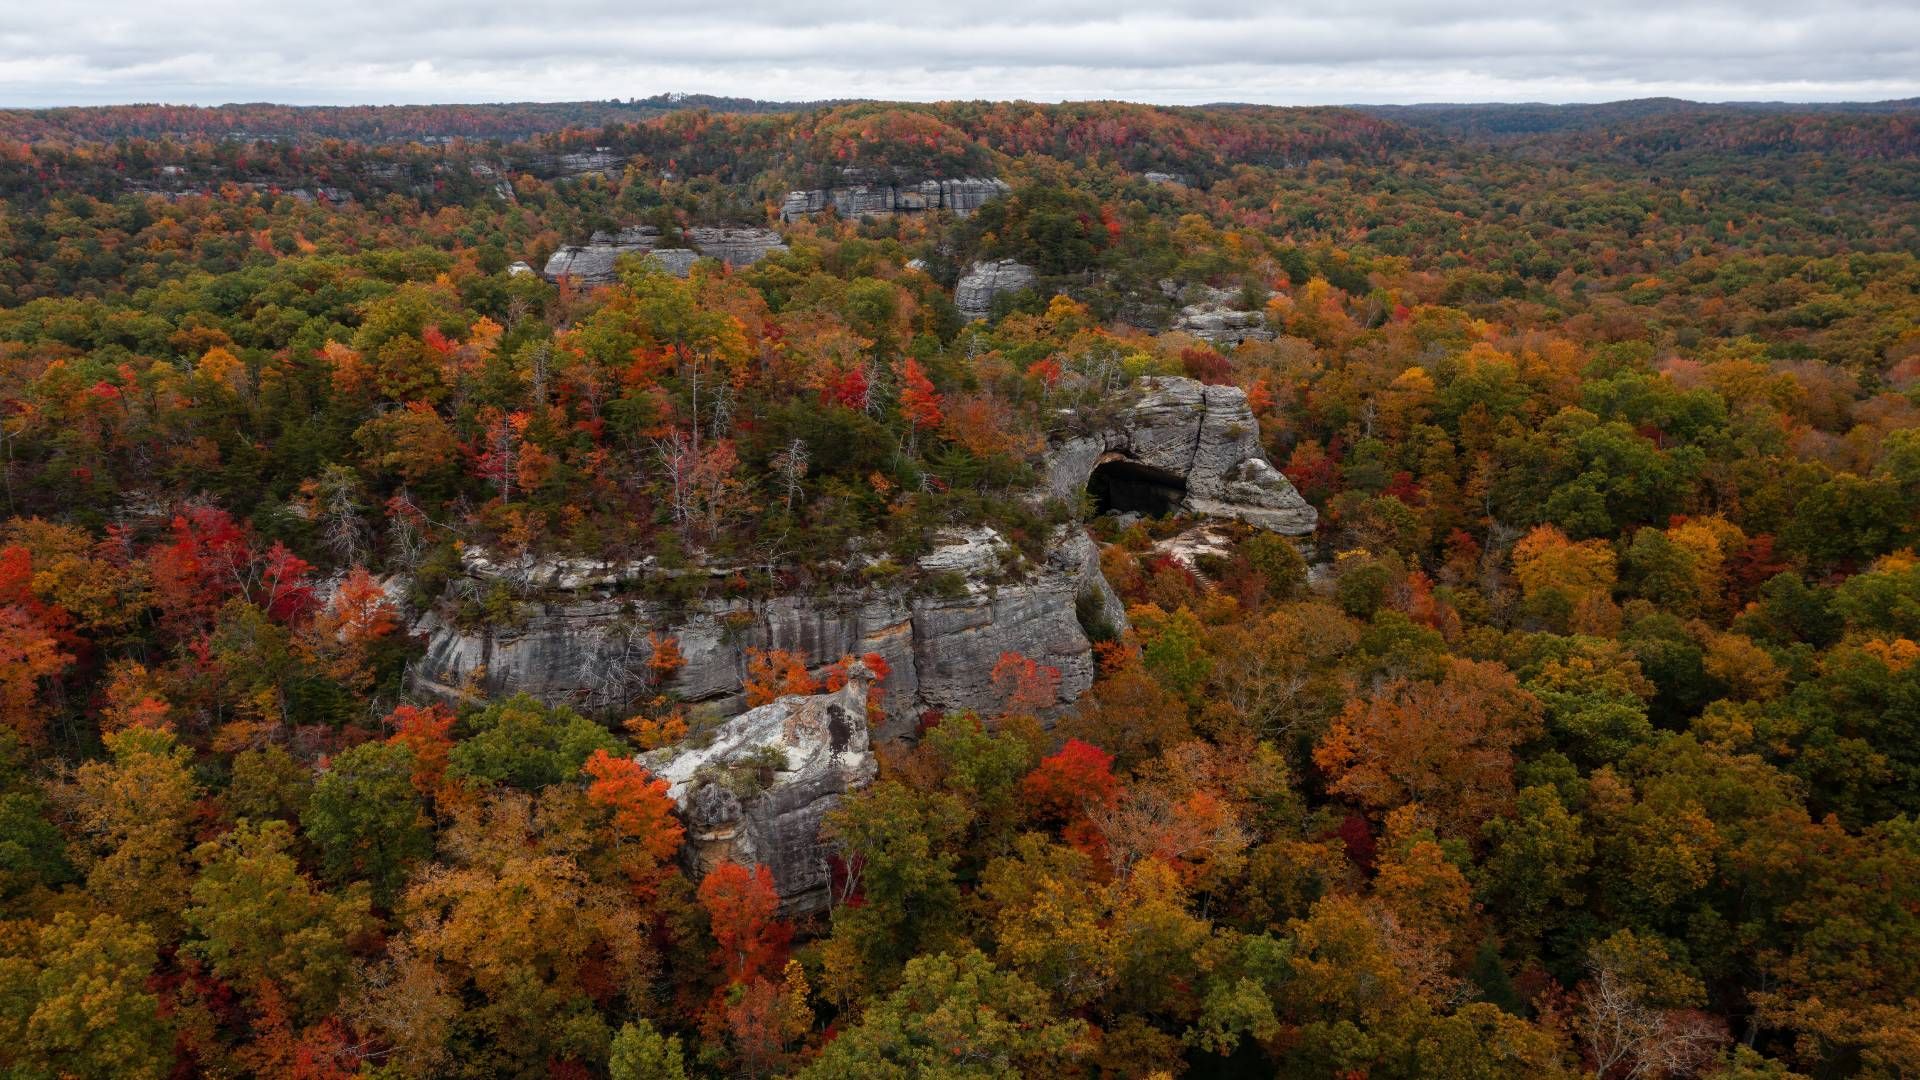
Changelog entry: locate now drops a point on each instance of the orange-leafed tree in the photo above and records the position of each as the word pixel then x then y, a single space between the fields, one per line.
pixel 641 813
pixel 743 908
pixel 664 658
pixel 1447 745
pixel 919 401
pixel 28 655
pixel 776 673
pixel 428 732
pixel 835 677
pixel 360 611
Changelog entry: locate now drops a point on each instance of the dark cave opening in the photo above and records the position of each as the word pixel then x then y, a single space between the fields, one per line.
pixel 1121 486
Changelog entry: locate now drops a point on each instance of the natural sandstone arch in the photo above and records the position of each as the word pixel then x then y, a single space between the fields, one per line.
pixel 1119 484
pixel 1178 435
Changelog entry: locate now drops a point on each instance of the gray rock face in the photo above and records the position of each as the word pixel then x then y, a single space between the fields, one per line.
pixel 1200 443
pixel 676 261
pixel 600 160
pixel 579 643
pixel 974 293
pixel 592 263
pixel 1212 318
pixel 734 245
pixel 962 197
pixel 757 789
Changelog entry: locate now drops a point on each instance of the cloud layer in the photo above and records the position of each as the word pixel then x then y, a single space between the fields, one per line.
pixel 419 51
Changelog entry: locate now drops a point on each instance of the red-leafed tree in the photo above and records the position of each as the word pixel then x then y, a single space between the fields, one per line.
pixel 1071 782
pixel 428 732
pixel 1025 685
pixel 918 399
pixel 1069 788
pixel 641 813
pixel 743 908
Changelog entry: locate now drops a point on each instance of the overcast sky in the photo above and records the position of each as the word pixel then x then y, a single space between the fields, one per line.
pixel 55 52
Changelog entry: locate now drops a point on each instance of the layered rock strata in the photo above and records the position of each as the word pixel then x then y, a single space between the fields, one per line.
pixel 592 263
pixel 961 197
pixel 578 640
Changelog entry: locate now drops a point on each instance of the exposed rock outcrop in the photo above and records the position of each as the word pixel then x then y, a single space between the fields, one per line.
pixel 755 789
pixel 962 197
pixel 676 261
pixel 577 640
pixel 734 245
pixel 975 292
pixel 1213 318
pixel 1198 445
pixel 601 159
pixel 592 263
pixel 580 633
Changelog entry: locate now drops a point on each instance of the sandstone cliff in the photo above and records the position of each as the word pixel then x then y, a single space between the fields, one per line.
pixel 578 640
pixel 854 201
pixel 592 263
pixel 1212 317
pixel 581 629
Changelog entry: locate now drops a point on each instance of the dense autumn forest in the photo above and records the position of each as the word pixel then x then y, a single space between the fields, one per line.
pixel 1582 738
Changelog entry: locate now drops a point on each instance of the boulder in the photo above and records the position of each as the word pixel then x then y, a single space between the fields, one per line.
pixel 756 788
pixel 1198 444
pixel 975 292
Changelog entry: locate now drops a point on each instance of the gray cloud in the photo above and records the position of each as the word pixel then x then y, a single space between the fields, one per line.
pixel 354 51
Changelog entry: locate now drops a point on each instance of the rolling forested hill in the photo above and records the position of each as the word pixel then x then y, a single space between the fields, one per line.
pixel 1581 736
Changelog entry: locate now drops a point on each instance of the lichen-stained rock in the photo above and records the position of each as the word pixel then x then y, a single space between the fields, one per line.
pixel 1202 438
pixel 756 788
pixel 975 292
pixel 578 640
